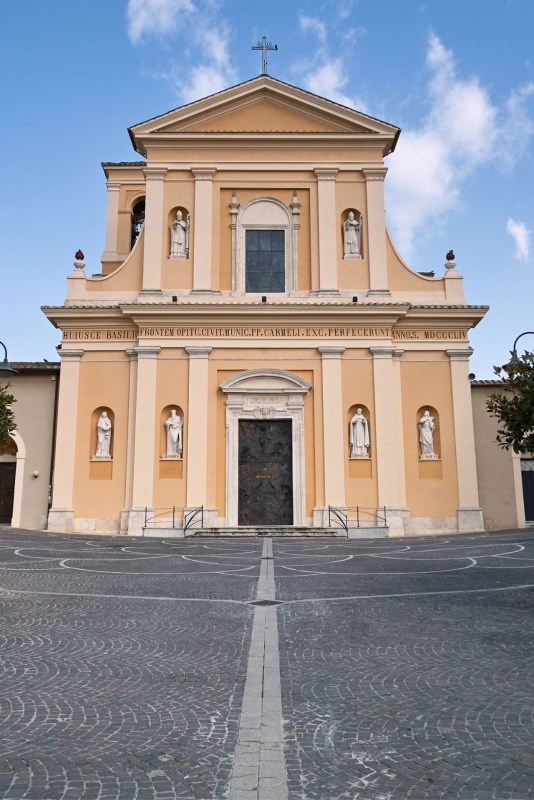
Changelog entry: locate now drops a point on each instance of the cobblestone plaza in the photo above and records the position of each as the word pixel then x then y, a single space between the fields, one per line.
pixel 266 669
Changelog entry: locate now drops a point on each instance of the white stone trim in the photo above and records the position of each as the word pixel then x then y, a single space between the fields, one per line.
pixel 272 215
pixel 265 394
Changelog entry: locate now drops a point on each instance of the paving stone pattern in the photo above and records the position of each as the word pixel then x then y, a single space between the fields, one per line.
pixel 390 697
pixel 405 668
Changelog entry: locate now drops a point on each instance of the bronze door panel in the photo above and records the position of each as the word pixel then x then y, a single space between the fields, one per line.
pixel 265 472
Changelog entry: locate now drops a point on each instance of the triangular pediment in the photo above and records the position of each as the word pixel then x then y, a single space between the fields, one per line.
pixel 263 105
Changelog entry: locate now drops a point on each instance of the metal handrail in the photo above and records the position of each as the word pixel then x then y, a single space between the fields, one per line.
pixel 194 516
pixel 339 515
pixel 185 519
pixel 162 513
pixel 343 515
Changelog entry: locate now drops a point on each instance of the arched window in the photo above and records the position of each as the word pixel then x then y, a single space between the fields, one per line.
pixel 137 220
pixel 264 255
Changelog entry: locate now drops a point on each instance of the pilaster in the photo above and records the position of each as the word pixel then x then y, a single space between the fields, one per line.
pixel 130 440
pixel 333 426
pixel 376 230
pixel 203 228
pixel 144 451
pixel 61 515
pixel 112 222
pixel 197 427
pixel 469 512
pixel 388 433
pixel 327 229
pixel 153 228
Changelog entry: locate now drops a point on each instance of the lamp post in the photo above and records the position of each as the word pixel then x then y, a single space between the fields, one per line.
pixel 514 358
pixel 6 370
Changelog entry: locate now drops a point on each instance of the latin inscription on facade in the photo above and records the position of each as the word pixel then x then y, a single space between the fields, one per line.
pixel 265 332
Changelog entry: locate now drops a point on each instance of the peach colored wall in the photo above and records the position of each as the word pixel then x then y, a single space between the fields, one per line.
pixel 353 274
pixel 99 487
pixel 179 192
pixel 426 382
pixel 265 115
pixel 256 153
pixel 125 278
pixel 171 392
pixel 402 279
pixel 34 415
pixel 360 475
pixel 499 479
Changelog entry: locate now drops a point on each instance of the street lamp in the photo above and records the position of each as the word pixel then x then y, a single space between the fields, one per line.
pixel 515 359
pixel 6 370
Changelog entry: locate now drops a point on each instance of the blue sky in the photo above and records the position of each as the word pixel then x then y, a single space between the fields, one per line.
pixel 456 75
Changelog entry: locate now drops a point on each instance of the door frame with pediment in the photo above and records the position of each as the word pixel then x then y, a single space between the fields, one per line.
pixel 265 394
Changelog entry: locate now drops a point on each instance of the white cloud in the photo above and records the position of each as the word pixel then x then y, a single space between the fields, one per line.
pixel 205 43
pixel 462 130
pixel 215 72
pixel 519 127
pixel 155 17
pixel 521 236
pixel 323 73
pixel 314 25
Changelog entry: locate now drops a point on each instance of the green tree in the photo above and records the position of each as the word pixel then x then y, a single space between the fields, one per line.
pixel 514 406
pixel 7 417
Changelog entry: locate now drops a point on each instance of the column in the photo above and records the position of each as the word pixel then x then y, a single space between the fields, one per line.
pixel 61 515
pixel 469 512
pixel 144 437
pixel 155 219
pixel 197 427
pixel 376 230
pixel 203 228
pixel 327 230
pixel 389 453
pixel 112 222
pixel 333 426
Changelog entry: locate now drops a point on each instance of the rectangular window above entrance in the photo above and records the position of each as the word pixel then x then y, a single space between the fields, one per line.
pixel 265 261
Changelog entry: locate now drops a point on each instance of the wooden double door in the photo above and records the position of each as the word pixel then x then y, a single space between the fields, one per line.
pixel 7 491
pixel 265 472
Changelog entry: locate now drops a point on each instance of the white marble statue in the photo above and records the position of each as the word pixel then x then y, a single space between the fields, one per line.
pixel 103 430
pixel 174 434
pixel 351 236
pixel 359 435
pixel 427 427
pixel 180 237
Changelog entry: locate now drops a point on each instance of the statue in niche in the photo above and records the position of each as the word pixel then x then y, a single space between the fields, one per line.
pixel 352 229
pixel 174 426
pixel 180 236
pixel 427 427
pixel 103 431
pixel 359 435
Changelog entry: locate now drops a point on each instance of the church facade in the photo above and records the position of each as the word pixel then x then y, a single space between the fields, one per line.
pixel 254 350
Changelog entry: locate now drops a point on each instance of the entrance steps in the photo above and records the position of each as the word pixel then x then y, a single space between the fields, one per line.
pixel 290 532
pixel 278 532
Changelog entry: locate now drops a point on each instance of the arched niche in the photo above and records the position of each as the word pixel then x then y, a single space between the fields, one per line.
pixel 356 445
pixel 165 415
pixel 93 435
pixel 352 233
pixel 265 394
pixel 264 247
pixel 137 220
pixel 178 215
pixel 435 433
